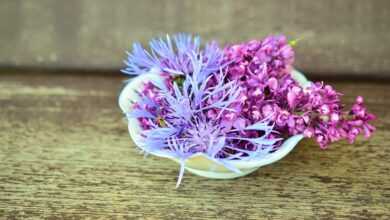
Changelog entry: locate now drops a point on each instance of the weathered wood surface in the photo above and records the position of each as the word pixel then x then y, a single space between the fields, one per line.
pixel 65 154
pixel 339 36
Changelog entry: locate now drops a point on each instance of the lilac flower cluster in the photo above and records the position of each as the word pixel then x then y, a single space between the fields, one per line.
pixel 263 69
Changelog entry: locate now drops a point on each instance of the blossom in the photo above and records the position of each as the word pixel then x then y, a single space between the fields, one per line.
pixel 173 56
pixel 176 120
pixel 263 71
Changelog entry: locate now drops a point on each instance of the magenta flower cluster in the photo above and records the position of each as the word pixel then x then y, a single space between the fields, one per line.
pixel 263 69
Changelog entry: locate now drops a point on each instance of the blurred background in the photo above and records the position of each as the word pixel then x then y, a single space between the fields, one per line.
pixel 339 37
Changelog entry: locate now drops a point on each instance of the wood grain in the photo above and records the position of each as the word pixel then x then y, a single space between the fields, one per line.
pixel 65 154
pixel 339 36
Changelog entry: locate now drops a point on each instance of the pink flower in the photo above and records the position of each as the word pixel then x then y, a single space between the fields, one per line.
pixel 263 70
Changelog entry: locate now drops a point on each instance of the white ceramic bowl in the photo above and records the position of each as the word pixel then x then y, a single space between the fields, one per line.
pixel 201 164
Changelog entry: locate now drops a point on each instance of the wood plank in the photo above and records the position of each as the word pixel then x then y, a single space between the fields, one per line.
pixel 339 37
pixel 65 154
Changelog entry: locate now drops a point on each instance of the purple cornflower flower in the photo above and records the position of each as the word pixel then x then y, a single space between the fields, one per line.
pixel 176 122
pixel 173 56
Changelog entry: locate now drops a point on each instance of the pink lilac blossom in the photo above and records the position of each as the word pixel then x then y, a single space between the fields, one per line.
pixel 263 69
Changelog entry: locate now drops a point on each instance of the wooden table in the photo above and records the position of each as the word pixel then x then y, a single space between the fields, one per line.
pixel 65 154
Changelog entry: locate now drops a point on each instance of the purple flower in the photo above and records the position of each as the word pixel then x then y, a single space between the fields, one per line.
pixel 183 120
pixel 263 71
pixel 173 56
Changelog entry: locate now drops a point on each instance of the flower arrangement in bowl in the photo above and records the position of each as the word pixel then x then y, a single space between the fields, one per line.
pixel 225 112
